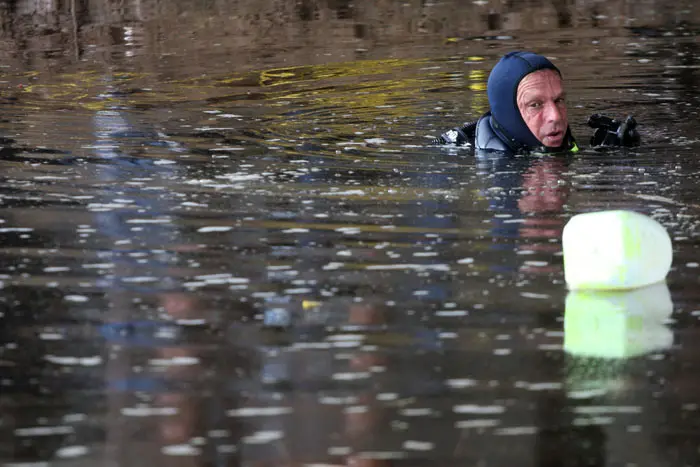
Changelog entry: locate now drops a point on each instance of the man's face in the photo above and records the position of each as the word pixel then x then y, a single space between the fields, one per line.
pixel 542 105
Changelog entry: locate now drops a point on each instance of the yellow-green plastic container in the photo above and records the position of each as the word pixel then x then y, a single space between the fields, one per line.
pixel 615 250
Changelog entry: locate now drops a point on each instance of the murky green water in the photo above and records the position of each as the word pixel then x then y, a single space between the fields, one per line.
pixel 225 238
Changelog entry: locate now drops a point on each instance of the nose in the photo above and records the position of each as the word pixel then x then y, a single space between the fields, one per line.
pixel 552 112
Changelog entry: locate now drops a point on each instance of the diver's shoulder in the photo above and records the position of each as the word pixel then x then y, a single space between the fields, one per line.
pixel 486 139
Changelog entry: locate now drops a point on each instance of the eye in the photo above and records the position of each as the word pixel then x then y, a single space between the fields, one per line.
pixel 535 105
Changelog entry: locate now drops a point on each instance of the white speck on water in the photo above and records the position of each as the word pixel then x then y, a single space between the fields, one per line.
pixel 51 336
pixel 416 412
pixel 140 279
pixel 259 411
pixel 339 450
pixel 502 351
pixel 293 231
pixel 180 450
pixel 263 437
pixel 194 205
pixel 105 206
pixel 349 230
pixel 351 376
pixel 587 393
pixel 240 177
pixel 418 445
pixel 71 451
pixel 74 417
pixel 536 263
pixel 297 291
pixel 417 267
pixel 465 261
pixel 535 295
pixel 601 409
pixel 593 421
pixel 214 228
pixel 387 396
pixel 56 269
pixel 157 220
pixel 544 386
pixel 425 253
pixel 174 361
pixel 143 411
pixel 340 400
pixel 44 431
pixel 16 229
pixel 692 265
pixel 76 298
pixel 332 266
pixel 477 423
pixel 379 455
pixel 516 431
pixel 74 361
pixel 344 193
pixel 479 409
pixel 448 313
pixel 461 383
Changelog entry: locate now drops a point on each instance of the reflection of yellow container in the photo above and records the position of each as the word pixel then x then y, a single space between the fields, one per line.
pixel 617 324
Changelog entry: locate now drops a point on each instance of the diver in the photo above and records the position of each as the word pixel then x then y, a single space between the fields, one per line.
pixel 528 113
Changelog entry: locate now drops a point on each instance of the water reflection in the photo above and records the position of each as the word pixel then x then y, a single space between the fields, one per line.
pixel 618 325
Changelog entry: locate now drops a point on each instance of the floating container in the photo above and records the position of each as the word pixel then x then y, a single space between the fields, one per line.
pixel 615 250
pixel 618 324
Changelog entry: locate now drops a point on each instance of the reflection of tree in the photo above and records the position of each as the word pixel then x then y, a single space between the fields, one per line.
pixel 49 27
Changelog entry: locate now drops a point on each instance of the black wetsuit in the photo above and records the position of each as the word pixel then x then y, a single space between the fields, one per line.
pixel 485 135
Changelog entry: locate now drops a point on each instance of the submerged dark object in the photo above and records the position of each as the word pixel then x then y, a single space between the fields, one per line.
pixel 611 132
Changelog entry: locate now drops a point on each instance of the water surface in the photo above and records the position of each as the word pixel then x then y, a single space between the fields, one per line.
pixel 226 238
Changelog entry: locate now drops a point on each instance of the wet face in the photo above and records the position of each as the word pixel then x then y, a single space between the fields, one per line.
pixel 542 105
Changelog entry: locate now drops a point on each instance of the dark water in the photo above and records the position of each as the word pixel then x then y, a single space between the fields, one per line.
pixel 225 238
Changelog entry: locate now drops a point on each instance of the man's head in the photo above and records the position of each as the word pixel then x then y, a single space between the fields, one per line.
pixel 526 96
